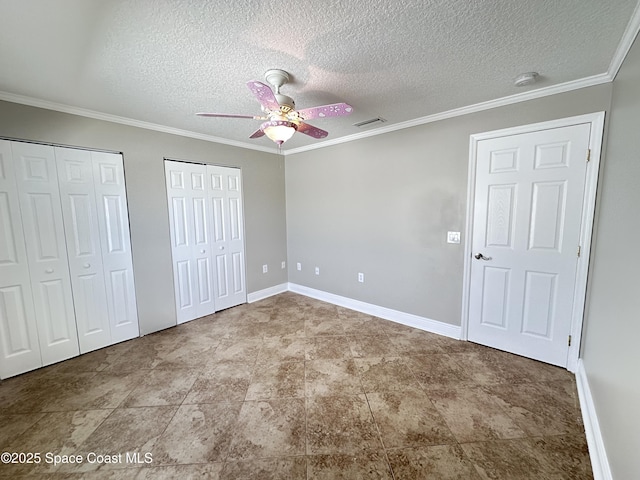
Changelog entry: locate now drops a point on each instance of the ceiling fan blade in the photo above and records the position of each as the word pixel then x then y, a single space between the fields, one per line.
pixel 257 134
pixel 228 115
pixel 264 95
pixel 333 110
pixel 312 131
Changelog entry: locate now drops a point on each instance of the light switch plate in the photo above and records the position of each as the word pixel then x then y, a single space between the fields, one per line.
pixel 453 237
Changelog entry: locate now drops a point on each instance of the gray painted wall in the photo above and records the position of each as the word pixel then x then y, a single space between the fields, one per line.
pixel 383 205
pixel 612 327
pixel 144 151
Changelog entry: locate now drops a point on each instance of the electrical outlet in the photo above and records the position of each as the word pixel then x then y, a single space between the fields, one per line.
pixel 265 268
pixel 317 270
pixel 298 266
pixel 361 277
pixel 284 265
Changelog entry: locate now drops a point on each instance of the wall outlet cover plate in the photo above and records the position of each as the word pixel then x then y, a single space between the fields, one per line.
pixel 453 237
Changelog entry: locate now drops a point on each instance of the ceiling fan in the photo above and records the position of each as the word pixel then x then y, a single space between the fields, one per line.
pixel 279 111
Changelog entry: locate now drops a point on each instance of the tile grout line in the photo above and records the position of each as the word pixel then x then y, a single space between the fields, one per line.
pixel 384 448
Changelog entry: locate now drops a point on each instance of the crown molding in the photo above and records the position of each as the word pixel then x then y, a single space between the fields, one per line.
pixel 628 37
pixel 83 112
pixel 457 112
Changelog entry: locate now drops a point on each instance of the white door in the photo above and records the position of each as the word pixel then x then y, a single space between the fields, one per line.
pixel 526 229
pixel 37 181
pixel 19 345
pixel 115 239
pixel 189 219
pixel 225 196
pixel 75 173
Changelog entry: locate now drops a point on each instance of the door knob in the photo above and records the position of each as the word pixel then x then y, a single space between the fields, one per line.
pixel 86 265
pixel 49 270
pixel 203 251
pixel 480 256
pixel 221 248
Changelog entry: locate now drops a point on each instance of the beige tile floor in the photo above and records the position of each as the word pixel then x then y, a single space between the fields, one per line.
pixel 293 388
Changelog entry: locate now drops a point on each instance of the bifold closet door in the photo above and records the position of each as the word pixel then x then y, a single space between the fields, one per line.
pixel 189 221
pixel 39 195
pixel 225 196
pixel 66 272
pixel 19 343
pixel 96 224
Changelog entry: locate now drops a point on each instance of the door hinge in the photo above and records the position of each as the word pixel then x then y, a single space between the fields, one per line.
pixel 588 155
pixel 579 250
pixel 569 340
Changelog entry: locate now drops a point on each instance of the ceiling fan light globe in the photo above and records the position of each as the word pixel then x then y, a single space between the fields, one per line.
pixel 279 131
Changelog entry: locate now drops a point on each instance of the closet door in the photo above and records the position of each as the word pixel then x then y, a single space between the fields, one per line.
pixel 37 182
pixel 225 197
pixel 189 219
pixel 117 262
pixel 19 348
pixel 75 174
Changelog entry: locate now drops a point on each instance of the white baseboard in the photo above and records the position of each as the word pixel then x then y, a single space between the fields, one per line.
pixel 415 321
pixel 267 292
pixel 597 452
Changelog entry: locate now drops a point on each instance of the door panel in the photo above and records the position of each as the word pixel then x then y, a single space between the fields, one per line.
pixel 547 215
pixel 235 218
pixel 180 229
pixel 500 215
pixel 183 283
pixel 82 212
pixel 223 277
pixel 238 272
pixel 16 334
pixel 85 294
pixel 37 180
pixel 19 348
pixel 200 222
pixel 527 217
pixel 539 303
pixel 8 249
pixel 115 224
pixel 205 287
pixel 495 297
pixel 219 234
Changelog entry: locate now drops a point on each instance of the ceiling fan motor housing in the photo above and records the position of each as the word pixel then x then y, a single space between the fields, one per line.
pixel 286 103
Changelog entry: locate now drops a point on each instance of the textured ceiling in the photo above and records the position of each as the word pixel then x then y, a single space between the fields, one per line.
pixel 161 61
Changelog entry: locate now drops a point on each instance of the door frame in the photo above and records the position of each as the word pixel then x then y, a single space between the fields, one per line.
pixel 596 120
